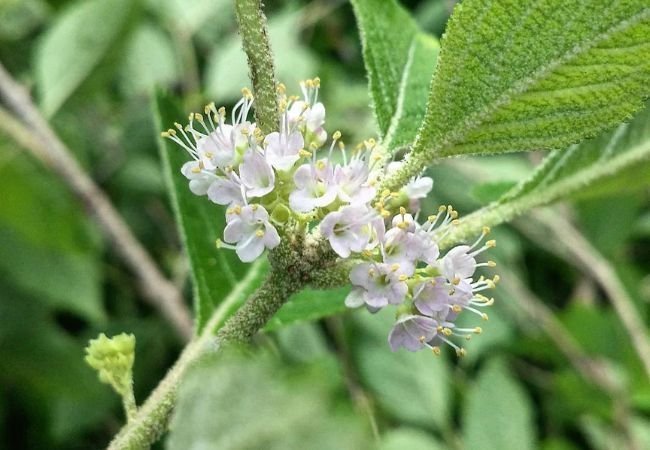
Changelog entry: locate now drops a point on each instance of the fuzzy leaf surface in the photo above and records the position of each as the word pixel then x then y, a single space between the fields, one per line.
pixel 519 75
pixel 615 161
pixel 400 59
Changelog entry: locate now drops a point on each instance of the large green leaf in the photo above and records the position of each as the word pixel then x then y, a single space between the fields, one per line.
pixel 613 162
pixel 45 246
pixel 412 387
pixel 75 45
pixel 400 60
pixel 517 75
pixel 616 161
pixel 497 413
pixel 215 272
pixel 259 404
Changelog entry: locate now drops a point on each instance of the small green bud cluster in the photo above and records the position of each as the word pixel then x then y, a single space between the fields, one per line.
pixel 113 359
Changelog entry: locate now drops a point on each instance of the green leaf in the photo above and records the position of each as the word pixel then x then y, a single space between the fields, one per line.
pixel 400 60
pixel 75 45
pixel 215 272
pixel 260 404
pixel 519 75
pixel 309 304
pixel 409 438
pixel 41 228
pixel 616 161
pixel 497 413
pixel 227 70
pixel 411 387
pixel 149 62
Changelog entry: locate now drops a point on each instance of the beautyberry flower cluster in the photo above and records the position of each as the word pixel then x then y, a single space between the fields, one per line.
pixel 290 180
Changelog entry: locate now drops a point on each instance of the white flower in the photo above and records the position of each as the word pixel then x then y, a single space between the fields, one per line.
pixel 200 179
pixel 418 187
pixel 250 229
pixel 349 229
pixel 256 175
pixel 432 298
pixel 458 263
pixel 282 149
pixel 315 187
pixel 226 191
pixel 412 332
pixel 383 284
pixel 352 182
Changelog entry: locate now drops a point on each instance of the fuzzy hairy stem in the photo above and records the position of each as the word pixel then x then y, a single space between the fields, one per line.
pixel 151 420
pixel 255 40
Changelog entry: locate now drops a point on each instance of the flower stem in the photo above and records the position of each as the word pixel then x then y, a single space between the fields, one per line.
pixel 150 421
pixel 255 40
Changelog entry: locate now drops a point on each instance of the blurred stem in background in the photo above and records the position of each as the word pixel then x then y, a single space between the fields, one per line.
pixel 568 243
pixel 32 131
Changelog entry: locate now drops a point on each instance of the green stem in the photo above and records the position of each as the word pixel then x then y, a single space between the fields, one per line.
pixel 128 401
pixel 255 40
pixel 150 421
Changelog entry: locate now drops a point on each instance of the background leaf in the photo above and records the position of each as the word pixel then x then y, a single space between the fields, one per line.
pixel 227 70
pixel 290 410
pixel 400 60
pixel 497 413
pixel 522 75
pixel 74 46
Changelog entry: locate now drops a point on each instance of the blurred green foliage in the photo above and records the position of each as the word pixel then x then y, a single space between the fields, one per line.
pixel 93 66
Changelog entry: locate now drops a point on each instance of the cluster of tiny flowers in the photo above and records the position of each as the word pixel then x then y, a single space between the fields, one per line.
pixel 291 179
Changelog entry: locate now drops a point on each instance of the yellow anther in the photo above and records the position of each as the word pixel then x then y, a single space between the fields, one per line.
pixel 171 132
pixel 402 225
pixel 336 135
pixel 341 145
pixel 313 146
pixel 486 230
pixel 385 193
pixel 367 253
pixel 491 264
pixel 196 169
pixel 371 272
pixel 316 82
pixel 496 279
pixel 454 214
pixel 218 243
pixel 436 350
pixel 485 316
pixel 491 243
pixel 461 352
pixel 439 328
pixel 422 339
pixel 198 117
pixel 165 134
pixel 490 284
pixel 245 131
pixel 320 165
pixel 385 213
pixel 447 331
pixel 456 281
pixel 403 278
pixel 259 233
pixel 222 111
pixel 456 308
pixel 178 125
pixel 246 93
pixel 209 155
pixel 282 89
pixel 304 153
pixel 468 337
pixel 478 330
pixel 309 83
pixel 442 208
pixel 455 222
pixel 433 282
pixel 394 267
pixel 235 210
pixel 255 207
pixel 402 210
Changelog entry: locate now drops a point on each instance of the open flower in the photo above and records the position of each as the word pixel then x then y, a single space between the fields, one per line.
pixel 256 175
pixel 412 332
pixel 383 283
pixel 315 186
pixel 350 229
pixel 249 228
